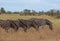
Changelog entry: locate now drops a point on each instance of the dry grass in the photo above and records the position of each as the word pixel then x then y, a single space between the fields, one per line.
pixel 44 34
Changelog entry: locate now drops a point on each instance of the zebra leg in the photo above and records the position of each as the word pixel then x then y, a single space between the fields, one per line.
pixel 6 29
pixel 16 28
pixel 36 27
pixel 25 29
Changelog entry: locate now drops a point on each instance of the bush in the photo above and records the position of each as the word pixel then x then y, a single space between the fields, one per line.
pixel 58 17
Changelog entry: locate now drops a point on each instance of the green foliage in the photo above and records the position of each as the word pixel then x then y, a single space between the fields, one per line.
pixel 2 10
pixel 15 12
pixel 25 12
pixel 9 12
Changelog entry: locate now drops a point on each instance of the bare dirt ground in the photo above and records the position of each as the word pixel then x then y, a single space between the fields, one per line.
pixel 44 34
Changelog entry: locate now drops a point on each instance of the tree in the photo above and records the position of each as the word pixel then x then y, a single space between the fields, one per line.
pixel 34 12
pixel 47 13
pixel 58 13
pixel 2 10
pixel 41 12
pixel 16 12
pixel 9 12
pixel 26 12
pixel 51 12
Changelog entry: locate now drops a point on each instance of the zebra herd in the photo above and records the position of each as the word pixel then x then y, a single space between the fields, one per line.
pixel 25 24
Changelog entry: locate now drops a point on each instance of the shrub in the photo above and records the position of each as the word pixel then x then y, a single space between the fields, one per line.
pixel 58 17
